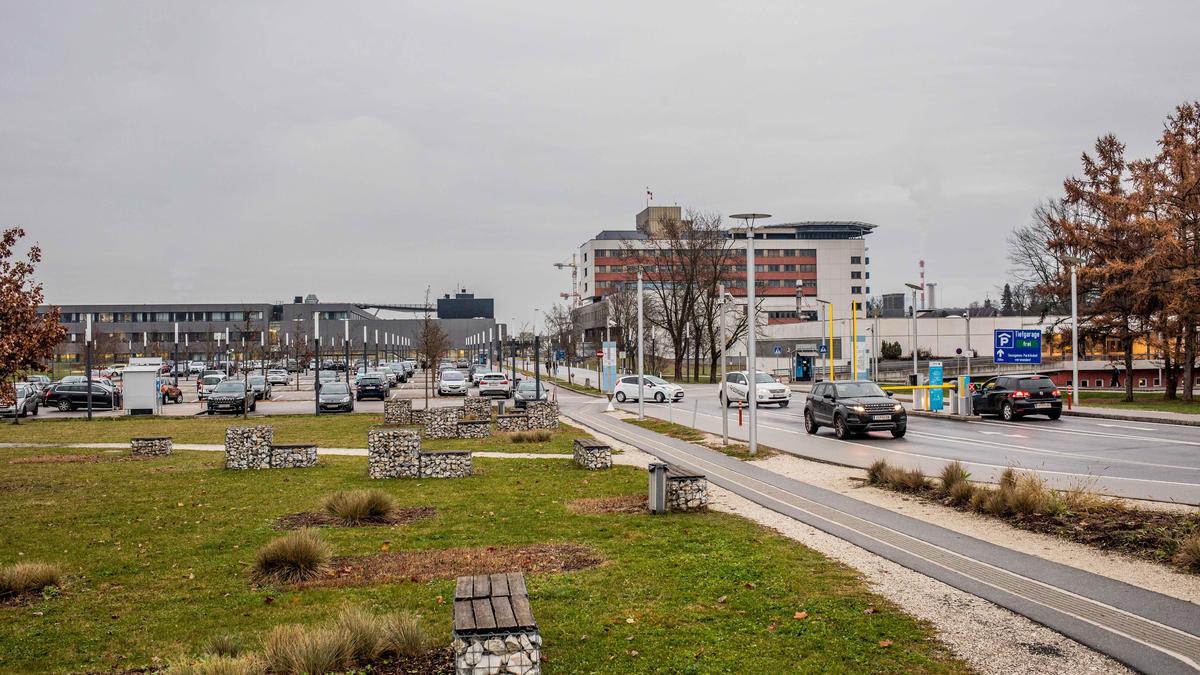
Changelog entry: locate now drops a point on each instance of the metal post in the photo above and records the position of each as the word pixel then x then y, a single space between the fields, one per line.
pixel 317 372
pixel 832 367
pixel 641 341
pixel 537 367
pixel 751 347
pixel 724 342
pixel 346 346
pixel 175 353
pixel 1075 340
pixel 88 365
pixel 376 349
pixel 853 340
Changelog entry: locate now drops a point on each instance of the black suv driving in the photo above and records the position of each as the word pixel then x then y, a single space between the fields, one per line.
pixel 1011 396
pixel 854 407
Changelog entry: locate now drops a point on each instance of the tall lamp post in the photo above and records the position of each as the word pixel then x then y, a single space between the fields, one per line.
pixel 346 346
pixel 1074 261
pixel 825 305
pixel 723 298
pixel 87 344
pixel 640 345
pixel 966 316
pixel 317 358
pixel 752 323
pixel 914 288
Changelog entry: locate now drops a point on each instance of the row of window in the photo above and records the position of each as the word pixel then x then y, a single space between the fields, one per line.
pixel 858 290
pixel 148 317
pixel 760 252
pixel 785 314
pixel 1101 382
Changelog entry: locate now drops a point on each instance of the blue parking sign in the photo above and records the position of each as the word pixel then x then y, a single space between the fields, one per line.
pixel 1017 346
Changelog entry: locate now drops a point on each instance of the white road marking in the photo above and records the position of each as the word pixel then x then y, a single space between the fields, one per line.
pixel 1124 426
pixel 1001 433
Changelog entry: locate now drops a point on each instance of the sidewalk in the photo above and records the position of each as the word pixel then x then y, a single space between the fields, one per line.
pixel 1135 415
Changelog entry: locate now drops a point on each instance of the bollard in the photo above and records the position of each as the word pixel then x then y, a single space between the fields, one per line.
pixel 695 409
pixel 671 411
pixel 500 407
pixel 658 487
pixel 739 415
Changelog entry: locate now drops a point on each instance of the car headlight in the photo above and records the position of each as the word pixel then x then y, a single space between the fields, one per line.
pixel 897 408
pixel 345 399
pixel 859 409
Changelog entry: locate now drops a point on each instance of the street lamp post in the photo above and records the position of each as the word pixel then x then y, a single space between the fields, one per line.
pixel 914 288
pixel 88 364
pixel 317 372
pixel 641 342
pixel 825 304
pixel 752 323
pixel 724 342
pixel 966 316
pixel 1074 262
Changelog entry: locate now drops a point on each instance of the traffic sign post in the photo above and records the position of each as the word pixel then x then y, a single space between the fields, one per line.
pixel 1017 346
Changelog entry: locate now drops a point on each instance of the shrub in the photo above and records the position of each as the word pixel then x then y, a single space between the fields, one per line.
pixel 534 436
pixel 366 632
pixel 878 473
pixel 249 664
pixel 295 649
pixel 953 474
pixel 961 493
pixel 28 577
pixel 356 507
pixel 403 635
pixel 980 499
pixel 909 480
pixel 1008 479
pixel 223 645
pixel 296 556
pixel 1027 496
pixel 1188 555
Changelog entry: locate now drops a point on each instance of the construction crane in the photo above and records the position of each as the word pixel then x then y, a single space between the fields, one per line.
pixel 574 280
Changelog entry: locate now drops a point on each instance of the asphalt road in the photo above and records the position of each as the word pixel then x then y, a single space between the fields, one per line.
pixel 1140 460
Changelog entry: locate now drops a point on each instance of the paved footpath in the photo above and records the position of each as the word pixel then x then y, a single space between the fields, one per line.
pixel 1145 630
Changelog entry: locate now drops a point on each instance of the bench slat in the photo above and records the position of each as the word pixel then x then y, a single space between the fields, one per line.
pixel 679 472
pixel 464 617
pixel 516 584
pixel 484 618
pixel 464 588
pixel 522 612
pixel 499 584
pixel 483 586
pixel 503 611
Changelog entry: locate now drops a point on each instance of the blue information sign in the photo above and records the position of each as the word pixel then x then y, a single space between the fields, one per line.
pixel 822 349
pixel 1017 346
pixel 935 377
pixel 560 355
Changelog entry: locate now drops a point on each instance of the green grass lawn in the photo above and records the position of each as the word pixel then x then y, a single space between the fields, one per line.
pixel 576 386
pixel 156 554
pixel 734 449
pixel 1141 401
pixel 330 431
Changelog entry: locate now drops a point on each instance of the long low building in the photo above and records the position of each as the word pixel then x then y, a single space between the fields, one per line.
pixel 206 330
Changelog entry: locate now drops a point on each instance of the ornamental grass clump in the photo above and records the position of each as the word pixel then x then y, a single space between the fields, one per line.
pixel 403 635
pixel 535 436
pixel 359 507
pixel 952 474
pixel 1188 555
pixel 250 664
pixel 296 650
pixel 294 557
pixel 223 645
pixel 28 577
pixel 365 631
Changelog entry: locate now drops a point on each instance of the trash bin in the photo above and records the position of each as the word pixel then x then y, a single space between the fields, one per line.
pixel 658 487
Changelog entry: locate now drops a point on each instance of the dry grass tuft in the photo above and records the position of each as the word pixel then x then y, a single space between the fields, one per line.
pixel 1008 479
pixel 357 507
pixel 534 436
pixel 1027 496
pixel 403 635
pixel 249 664
pixel 296 650
pixel 961 493
pixel 296 556
pixel 28 577
pixel 223 645
pixel 910 480
pixel 1188 555
pixel 366 632
pixel 636 503
pixel 878 473
pixel 953 474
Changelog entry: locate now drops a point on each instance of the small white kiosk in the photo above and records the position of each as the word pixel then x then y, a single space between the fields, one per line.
pixel 142 385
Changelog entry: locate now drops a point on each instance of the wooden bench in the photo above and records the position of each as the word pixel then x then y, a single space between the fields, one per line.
pixel 491 603
pixel 678 489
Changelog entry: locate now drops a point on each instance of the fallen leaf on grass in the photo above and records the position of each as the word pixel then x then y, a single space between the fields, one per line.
pixel 870 610
pixel 722 599
pixel 885 643
pixel 800 616
pixel 441 600
pixel 631 620
pixel 387 546
pixel 771 628
pixel 749 584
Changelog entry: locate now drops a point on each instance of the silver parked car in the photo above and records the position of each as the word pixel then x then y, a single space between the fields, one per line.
pixel 28 398
pixel 452 382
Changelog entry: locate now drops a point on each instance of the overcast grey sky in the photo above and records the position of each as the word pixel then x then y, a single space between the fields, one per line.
pixel 211 151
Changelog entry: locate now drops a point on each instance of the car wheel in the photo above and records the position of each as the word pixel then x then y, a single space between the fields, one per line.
pixel 65 406
pixel 1054 415
pixel 784 404
pixel 620 397
pixel 659 398
pixel 810 424
pixel 254 407
pixel 1007 412
pixel 898 432
pixel 179 399
pixel 840 429
pixel 35 410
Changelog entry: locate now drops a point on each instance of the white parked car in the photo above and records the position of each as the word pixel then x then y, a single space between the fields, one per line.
pixel 452 382
pixel 494 384
pixel 656 389
pixel 766 390
pixel 206 385
pixel 278 376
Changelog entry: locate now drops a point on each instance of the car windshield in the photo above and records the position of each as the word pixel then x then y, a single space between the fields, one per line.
pixel 335 388
pixel 211 379
pixel 230 387
pixel 853 389
pixel 452 376
pixel 527 386
pixel 655 380
pixel 764 378
pixel 258 379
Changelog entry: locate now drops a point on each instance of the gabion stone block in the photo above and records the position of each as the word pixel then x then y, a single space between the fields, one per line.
pixel 477 408
pixel 393 453
pixel 417 417
pixel 592 455
pixel 248 447
pixel 542 414
pixel 455 464
pixel 687 494
pixel 397 411
pixel 293 456
pixel 151 446
pixel 494 629
pixel 474 429
pixel 442 422
pixel 511 422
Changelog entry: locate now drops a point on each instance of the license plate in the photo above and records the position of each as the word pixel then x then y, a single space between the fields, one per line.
pixel 881 418
pixel 1042 405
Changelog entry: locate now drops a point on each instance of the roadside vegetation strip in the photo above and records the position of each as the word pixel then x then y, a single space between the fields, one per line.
pixel 573 386
pixel 735 449
pixel 1024 500
pixel 169 554
pixel 1141 401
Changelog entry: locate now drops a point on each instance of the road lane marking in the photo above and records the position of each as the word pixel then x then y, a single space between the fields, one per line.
pixel 1125 426
pixel 1001 433
pixel 1091 433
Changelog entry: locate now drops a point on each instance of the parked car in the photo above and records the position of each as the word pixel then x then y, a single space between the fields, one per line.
pixel 260 387
pixel 766 389
pixel 231 396
pixel 77 379
pixel 169 390
pixel 371 386
pixel 74 395
pixel 494 384
pixel 207 384
pixel 528 390
pixel 853 407
pixel 327 376
pixel 462 363
pixel 335 397
pixel 196 367
pixel 38 382
pixel 451 382
pixel 27 402
pixel 279 376
pixel 1011 396
pixel 656 389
